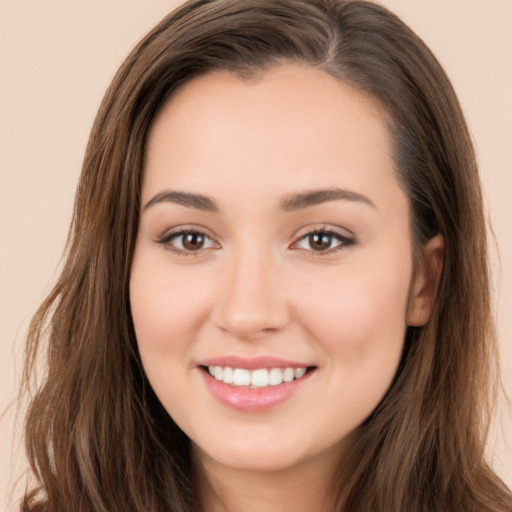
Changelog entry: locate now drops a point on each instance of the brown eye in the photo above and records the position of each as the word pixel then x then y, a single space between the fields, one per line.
pixel 320 241
pixel 193 241
pixel 324 242
pixel 187 242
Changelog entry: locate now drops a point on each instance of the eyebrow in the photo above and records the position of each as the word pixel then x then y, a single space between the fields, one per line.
pixel 197 201
pixel 314 197
pixel 290 203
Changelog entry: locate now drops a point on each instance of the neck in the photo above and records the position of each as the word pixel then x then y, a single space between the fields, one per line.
pixel 304 487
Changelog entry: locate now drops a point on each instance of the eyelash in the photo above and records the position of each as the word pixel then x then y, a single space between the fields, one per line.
pixel 166 239
pixel 345 241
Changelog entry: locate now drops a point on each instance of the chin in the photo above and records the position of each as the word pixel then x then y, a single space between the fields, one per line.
pixel 266 456
pixel 243 455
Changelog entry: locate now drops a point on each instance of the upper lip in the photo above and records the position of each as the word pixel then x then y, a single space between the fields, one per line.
pixel 253 363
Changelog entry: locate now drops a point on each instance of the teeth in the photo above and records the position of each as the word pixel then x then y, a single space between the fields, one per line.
pixel 218 372
pixel 275 376
pixel 228 375
pixel 299 372
pixel 259 378
pixel 288 374
pixel 241 377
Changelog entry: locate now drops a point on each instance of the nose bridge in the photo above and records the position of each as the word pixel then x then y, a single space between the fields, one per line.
pixel 251 301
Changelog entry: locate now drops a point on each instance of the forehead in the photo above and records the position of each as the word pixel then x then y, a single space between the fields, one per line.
pixel 288 127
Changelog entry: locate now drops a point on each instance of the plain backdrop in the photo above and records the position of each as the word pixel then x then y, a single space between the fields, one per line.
pixel 57 58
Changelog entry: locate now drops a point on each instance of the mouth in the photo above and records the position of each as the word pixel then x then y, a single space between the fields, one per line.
pixel 257 378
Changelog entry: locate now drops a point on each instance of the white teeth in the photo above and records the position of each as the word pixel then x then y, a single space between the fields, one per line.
pixel 299 372
pixel 228 375
pixel 275 376
pixel 259 378
pixel 288 374
pixel 241 377
pixel 218 372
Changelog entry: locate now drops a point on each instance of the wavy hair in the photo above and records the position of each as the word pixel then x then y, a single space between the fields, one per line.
pixel 97 437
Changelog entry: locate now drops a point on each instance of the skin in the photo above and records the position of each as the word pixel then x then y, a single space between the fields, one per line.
pixel 258 287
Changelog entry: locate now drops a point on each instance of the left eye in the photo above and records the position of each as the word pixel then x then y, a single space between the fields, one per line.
pixel 323 241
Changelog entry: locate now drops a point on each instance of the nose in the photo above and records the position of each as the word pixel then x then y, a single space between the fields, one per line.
pixel 252 297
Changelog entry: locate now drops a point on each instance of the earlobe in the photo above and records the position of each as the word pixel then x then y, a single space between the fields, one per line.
pixel 426 282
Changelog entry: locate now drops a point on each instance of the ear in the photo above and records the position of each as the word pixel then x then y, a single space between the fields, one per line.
pixel 425 282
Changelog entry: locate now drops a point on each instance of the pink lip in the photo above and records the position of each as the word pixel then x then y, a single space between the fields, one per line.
pixel 253 363
pixel 253 399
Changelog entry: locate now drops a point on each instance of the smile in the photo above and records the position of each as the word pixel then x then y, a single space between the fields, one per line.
pixel 258 378
pixel 252 390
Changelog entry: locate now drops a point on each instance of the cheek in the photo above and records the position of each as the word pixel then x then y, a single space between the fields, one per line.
pixel 358 323
pixel 167 315
pixel 360 317
pixel 165 307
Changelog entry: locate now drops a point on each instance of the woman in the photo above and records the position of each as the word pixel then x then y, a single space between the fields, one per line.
pixel 276 290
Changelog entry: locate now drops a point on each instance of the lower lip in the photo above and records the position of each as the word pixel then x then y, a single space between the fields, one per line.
pixel 253 399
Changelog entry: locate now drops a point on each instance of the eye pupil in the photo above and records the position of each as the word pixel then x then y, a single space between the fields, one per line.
pixel 320 241
pixel 193 241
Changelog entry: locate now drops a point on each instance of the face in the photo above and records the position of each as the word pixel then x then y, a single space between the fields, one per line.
pixel 273 252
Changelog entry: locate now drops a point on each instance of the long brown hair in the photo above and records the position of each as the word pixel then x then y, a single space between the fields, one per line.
pixel 97 437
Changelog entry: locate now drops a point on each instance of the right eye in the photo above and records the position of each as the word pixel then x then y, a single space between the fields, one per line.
pixel 187 242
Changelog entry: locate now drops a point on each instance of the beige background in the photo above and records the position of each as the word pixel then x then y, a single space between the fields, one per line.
pixel 56 59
